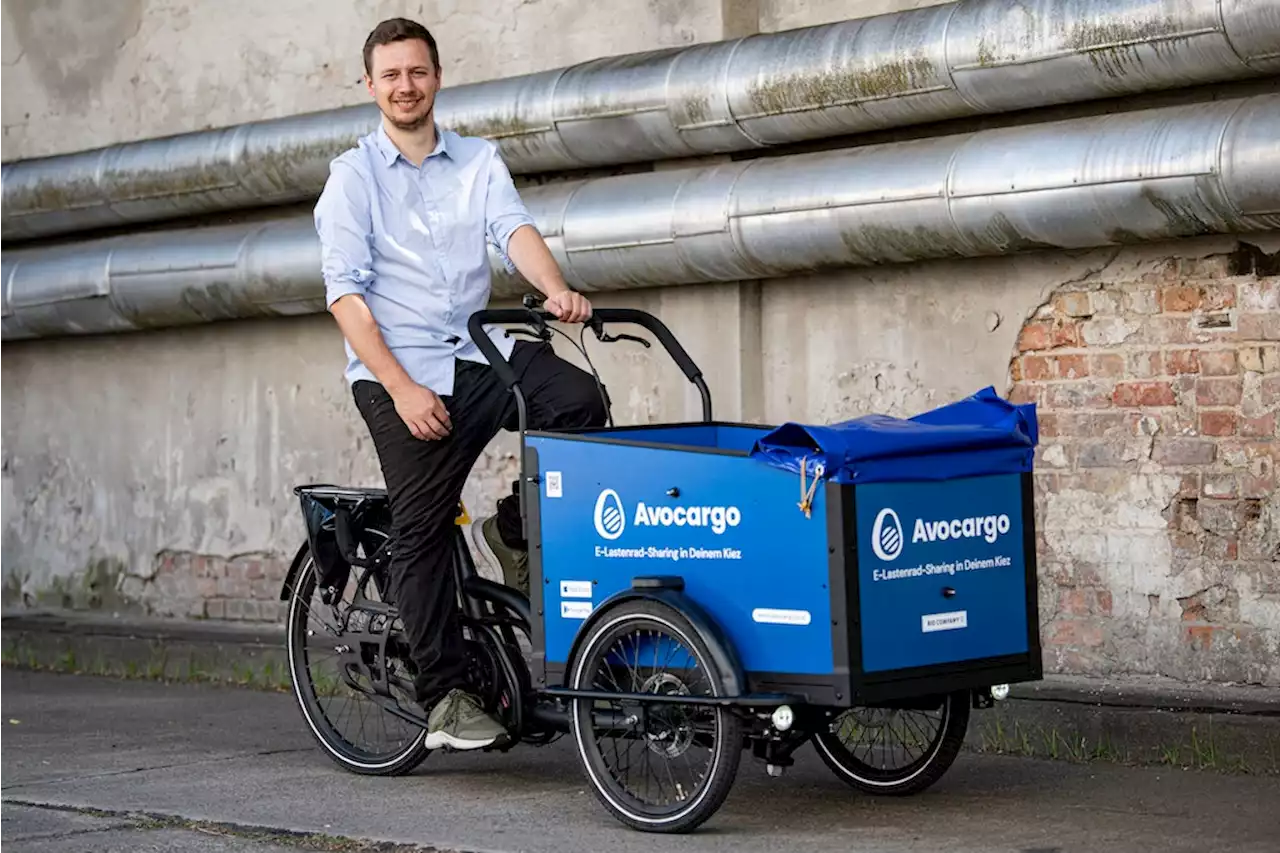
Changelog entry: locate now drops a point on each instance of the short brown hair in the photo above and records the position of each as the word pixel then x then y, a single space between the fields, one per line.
pixel 398 29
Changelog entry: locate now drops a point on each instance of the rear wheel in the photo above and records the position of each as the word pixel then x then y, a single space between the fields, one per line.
pixel 895 751
pixel 349 725
pixel 658 767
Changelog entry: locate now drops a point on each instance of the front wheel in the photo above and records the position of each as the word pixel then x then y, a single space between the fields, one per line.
pixel 657 766
pixel 895 751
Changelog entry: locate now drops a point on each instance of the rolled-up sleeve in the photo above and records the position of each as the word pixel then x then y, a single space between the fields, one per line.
pixel 343 224
pixel 504 211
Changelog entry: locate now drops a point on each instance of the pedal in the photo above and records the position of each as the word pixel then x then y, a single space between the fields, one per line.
pixel 502 745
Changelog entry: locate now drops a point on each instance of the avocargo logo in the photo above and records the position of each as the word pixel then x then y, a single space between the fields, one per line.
pixel 887 535
pixel 611 518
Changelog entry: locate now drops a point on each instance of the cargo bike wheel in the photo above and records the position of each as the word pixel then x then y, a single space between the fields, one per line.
pixel 895 751
pixel 352 727
pixel 656 766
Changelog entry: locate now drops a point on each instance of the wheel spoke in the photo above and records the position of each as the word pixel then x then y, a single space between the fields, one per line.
pixel 688 754
pixel 895 750
pixel 354 728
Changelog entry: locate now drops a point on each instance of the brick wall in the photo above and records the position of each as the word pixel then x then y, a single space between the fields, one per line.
pixel 1159 526
pixel 242 588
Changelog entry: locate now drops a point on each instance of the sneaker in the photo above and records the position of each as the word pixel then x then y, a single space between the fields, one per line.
pixel 495 560
pixel 459 721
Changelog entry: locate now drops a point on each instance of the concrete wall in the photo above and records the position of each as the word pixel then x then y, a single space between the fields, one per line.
pixel 83 73
pixel 153 471
pixel 777 15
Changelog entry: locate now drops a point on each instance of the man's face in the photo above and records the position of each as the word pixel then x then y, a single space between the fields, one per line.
pixel 403 81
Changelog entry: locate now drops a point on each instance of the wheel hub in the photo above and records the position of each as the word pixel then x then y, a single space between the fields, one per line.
pixel 667 733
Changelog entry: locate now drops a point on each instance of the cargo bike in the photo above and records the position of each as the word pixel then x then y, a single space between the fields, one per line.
pixel 701 591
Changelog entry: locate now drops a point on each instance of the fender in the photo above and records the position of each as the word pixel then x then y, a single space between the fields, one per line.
pixel 286 589
pixel 670 591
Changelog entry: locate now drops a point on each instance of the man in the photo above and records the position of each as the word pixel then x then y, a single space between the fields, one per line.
pixel 403 222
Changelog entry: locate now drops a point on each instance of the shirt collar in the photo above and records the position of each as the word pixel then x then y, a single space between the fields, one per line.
pixel 390 152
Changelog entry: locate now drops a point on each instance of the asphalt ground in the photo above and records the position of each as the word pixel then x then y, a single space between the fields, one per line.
pixel 95 763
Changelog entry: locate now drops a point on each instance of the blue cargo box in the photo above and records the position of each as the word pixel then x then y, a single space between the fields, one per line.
pixel 909 570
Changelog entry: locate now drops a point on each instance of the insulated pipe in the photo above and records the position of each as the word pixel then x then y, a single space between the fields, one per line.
pixel 911 67
pixel 1104 180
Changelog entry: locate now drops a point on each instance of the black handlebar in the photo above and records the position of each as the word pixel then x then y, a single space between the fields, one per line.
pixel 599 316
pixel 475 327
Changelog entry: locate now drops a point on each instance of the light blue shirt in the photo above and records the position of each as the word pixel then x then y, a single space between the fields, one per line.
pixel 413 242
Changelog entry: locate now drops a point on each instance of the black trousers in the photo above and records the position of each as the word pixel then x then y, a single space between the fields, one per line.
pixel 424 481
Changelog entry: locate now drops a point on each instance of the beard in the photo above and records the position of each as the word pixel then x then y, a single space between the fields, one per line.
pixel 416 122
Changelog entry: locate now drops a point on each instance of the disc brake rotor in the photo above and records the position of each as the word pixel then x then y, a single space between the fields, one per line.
pixel 668 732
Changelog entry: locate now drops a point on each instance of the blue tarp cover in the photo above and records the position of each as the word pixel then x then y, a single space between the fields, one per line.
pixel 979 435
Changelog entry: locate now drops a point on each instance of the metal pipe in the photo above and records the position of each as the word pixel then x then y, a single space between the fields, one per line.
pixel 1103 180
pixel 911 67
